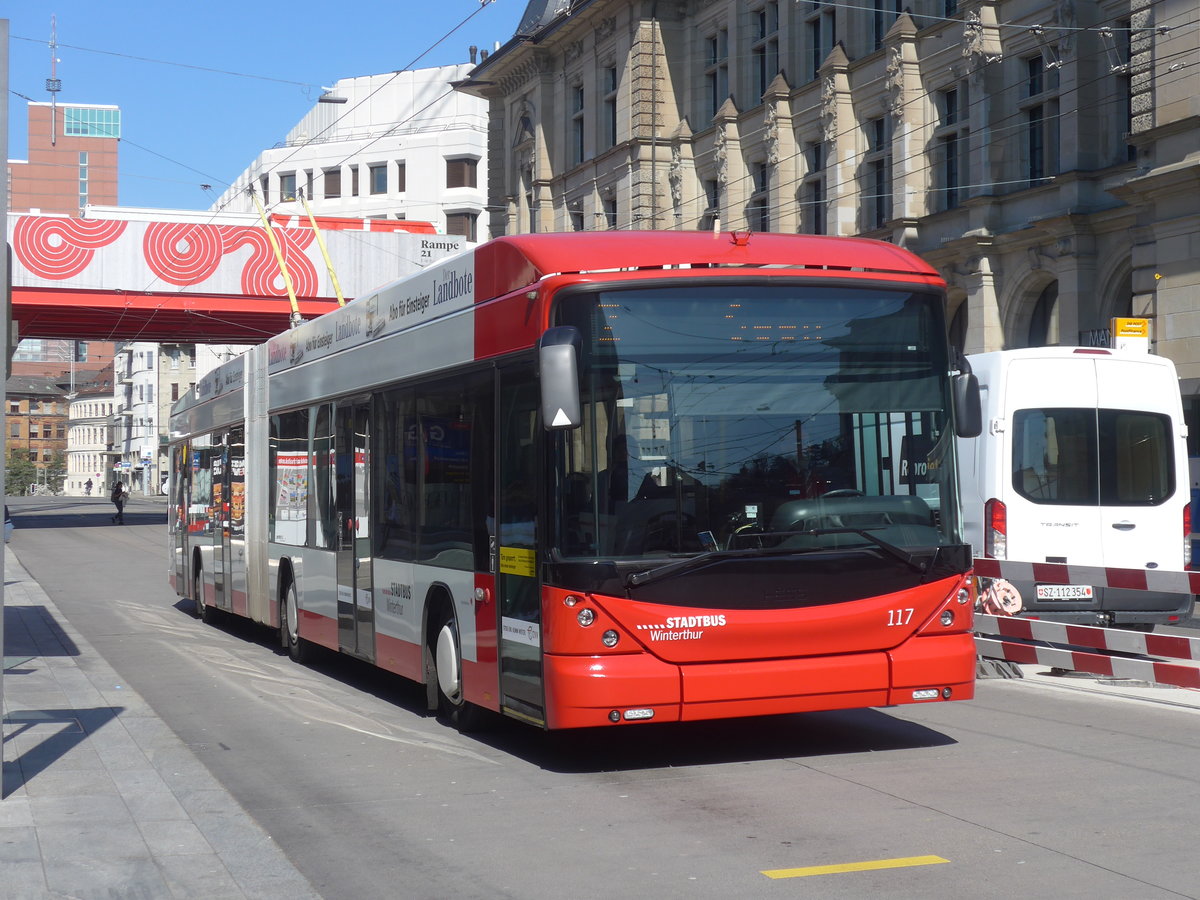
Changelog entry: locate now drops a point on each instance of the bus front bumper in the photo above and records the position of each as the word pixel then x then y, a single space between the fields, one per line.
pixel 590 691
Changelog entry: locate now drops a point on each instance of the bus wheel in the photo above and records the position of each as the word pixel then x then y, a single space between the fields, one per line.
pixel 448 663
pixel 204 612
pixel 297 647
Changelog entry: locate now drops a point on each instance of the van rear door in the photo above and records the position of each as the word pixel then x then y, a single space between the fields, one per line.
pixel 1140 526
pixel 1050 406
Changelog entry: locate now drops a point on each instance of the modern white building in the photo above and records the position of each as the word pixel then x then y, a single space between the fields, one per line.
pixel 89 435
pixel 402 145
pixel 135 416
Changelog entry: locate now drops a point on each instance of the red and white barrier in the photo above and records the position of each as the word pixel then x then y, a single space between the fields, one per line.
pixel 991 633
pixel 1098 576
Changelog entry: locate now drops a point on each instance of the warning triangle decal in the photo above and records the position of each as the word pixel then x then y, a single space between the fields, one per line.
pixel 561 419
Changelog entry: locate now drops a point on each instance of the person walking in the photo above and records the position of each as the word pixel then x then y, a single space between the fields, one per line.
pixel 118 497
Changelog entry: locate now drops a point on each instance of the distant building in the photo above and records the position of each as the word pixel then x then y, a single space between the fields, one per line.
pixel 403 145
pixel 176 376
pixel 58 358
pixel 72 153
pixel 35 420
pixel 72 159
pixel 89 438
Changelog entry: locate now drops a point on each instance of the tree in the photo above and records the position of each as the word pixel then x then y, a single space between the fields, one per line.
pixel 56 472
pixel 20 473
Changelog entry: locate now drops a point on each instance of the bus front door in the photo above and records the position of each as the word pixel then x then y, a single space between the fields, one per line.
pixel 352 465
pixel 517 581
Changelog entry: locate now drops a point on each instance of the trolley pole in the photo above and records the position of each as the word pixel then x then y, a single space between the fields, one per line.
pixel 5 276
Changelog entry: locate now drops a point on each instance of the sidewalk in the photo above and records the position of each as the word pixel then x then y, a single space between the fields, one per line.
pixel 100 798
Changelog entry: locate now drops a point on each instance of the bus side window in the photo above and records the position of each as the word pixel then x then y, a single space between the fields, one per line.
pixel 452 453
pixel 289 464
pixel 395 487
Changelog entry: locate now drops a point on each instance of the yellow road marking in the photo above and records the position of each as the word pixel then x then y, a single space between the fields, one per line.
pixel 902 862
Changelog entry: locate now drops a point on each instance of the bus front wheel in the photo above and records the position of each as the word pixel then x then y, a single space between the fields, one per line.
pixel 447 657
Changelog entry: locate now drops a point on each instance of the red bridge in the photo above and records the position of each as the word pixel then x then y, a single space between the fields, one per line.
pixel 198 277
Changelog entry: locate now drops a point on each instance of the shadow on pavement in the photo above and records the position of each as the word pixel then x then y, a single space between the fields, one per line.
pixel 61 731
pixel 30 631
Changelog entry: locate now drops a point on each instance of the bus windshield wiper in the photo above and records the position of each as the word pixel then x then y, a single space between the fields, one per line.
pixel 684 565
pixel 675 568
pixel 917 565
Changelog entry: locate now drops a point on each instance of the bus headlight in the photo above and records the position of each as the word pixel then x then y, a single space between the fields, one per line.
pixel 610 638
pixel 585 617
pixel 947 617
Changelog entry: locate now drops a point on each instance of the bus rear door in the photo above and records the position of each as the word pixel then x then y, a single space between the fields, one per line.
pixel 220 521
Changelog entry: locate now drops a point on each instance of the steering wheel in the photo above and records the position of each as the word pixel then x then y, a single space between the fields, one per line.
pixel 844 492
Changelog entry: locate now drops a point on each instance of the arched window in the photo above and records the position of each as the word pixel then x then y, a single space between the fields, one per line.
pixel 1043 324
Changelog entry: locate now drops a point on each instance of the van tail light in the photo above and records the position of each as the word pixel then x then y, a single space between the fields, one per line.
pixel 1187 535
pixel 995 530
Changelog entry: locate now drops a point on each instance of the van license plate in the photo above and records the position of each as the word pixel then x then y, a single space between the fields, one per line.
pixel 1064 592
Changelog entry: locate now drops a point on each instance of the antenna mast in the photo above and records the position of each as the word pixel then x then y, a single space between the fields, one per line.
pixel 53 83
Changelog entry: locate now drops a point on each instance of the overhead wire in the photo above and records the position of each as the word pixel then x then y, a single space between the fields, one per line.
pixel 166 62
pixel 376 90
pixel 220 208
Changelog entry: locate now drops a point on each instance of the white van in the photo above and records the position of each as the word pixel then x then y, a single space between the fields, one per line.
pixel 1082 461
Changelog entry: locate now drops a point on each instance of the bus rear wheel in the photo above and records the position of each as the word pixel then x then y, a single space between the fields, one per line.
pixel 298 648
pixel 447 656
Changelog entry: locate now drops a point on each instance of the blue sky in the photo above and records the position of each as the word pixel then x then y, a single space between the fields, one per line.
pixel 204 87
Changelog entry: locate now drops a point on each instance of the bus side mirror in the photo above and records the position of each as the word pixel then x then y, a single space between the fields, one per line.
pixel 558 355
pixel 968 411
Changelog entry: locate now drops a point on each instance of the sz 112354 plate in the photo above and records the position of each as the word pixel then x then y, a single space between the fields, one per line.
pixel 1065 592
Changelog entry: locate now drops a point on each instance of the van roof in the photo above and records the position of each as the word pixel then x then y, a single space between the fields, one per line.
pixel 995 357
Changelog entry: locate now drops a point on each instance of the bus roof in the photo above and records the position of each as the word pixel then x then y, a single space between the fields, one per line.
pixel 513 263
pixel 509 263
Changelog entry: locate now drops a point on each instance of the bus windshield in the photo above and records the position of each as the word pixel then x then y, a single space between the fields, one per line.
pixel 733 417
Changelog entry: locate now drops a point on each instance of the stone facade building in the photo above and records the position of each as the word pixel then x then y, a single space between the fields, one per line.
pixel 36 425
pixel 1044 156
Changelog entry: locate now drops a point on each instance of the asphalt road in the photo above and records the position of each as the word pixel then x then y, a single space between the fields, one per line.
pixel 1024 791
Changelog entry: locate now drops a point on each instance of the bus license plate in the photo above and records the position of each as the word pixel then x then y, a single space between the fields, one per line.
pixel 1064 592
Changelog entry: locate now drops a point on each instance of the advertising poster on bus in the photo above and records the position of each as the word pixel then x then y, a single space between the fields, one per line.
pixel 237 499
pixel 291 502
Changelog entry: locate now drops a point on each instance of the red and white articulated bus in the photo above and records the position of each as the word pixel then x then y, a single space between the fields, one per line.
pixel 596 478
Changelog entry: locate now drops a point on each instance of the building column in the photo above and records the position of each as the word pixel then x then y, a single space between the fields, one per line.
pixel 731 169
pixel 985 332
pixel 783 157
pixel 688 200
pixel 910 169
pixel 1078 296
pixel 838 131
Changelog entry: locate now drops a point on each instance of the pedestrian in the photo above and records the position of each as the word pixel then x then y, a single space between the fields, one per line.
pixel 118 498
